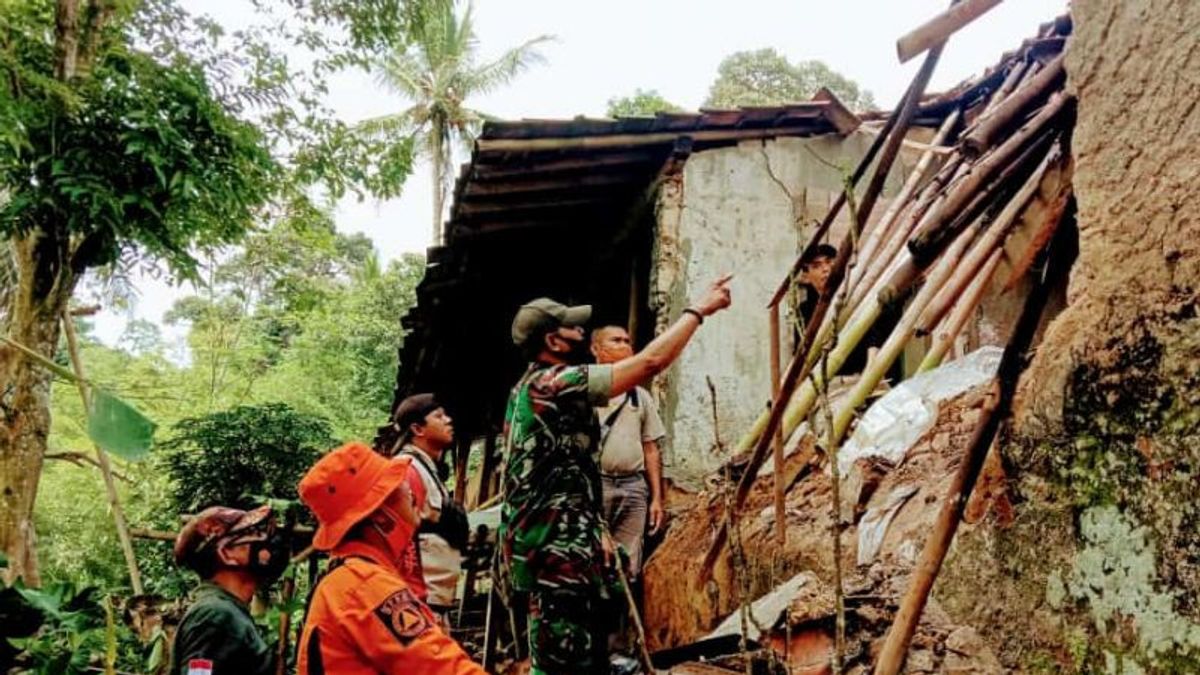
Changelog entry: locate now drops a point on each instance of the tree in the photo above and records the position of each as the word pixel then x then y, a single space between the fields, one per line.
pixel 241 456
pixel 439 72
pixel 110 153
pixel 641 103
pixel 132 133
pixel 766 77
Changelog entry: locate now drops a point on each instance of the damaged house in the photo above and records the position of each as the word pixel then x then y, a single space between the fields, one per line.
pixel 971 239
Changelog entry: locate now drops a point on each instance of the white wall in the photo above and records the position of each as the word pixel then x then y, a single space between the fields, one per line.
pixel 747 210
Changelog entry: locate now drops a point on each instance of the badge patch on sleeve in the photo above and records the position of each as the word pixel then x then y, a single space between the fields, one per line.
pixel 199 667
pixel 403 615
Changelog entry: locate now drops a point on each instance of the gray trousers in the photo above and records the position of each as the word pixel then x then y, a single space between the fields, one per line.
pixel 626 503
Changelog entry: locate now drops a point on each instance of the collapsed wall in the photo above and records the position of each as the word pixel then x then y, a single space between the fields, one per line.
pixel 747 210
pixel 1105 549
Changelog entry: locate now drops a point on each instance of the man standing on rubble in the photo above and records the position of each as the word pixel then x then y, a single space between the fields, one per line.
pixel 426 432
pixel 551 537
pixel 630 461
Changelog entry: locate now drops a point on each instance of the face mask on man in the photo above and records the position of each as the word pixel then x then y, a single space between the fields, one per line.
pixel 395 530
pixel 269 557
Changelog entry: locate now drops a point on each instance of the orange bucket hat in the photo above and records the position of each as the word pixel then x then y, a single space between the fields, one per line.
pixel 347 485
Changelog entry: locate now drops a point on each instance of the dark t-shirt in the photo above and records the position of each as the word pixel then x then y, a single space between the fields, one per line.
pixel 218 637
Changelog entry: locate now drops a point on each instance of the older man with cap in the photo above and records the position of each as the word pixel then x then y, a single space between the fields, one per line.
pixel 235 553
pixel 363 618
pixel 552 542
pixel 426 431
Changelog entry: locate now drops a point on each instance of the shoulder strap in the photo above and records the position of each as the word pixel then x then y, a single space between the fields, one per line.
pixel 428 467
pixel 607 425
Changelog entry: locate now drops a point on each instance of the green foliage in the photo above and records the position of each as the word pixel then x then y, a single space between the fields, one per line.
pixel 239 457
pixel 138 157
pixel 64 629
pixel 766 77
pixel 642 103
pixel 438 73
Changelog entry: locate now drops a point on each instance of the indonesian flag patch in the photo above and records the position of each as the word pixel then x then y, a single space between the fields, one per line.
pixel 199 667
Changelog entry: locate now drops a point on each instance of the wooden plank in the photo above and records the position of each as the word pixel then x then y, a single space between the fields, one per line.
pixel 518 185
pixel 936 30
pixel 638 140
pixel 837 113
pixel 540 165
pixel 933 554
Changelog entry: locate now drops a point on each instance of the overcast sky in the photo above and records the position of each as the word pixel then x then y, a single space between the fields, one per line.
pixel 612 47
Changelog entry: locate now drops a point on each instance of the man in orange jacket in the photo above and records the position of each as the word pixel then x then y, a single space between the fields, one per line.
pixel 363 618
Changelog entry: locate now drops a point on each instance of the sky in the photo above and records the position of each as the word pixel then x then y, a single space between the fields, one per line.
pixel 612 47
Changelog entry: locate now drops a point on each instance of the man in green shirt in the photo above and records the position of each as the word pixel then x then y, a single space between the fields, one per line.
pixel 553 549
pixel 236 553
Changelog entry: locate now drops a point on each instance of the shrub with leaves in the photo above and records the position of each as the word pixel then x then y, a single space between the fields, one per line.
pixel 242 456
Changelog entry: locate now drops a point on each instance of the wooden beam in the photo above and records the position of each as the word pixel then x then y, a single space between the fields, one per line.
pixel 895 647
pixel 1007 110
pixel 517 185
pixel 837 113
pixel 475 211
pixel 936 30
pixel 637 140
pixel 528 167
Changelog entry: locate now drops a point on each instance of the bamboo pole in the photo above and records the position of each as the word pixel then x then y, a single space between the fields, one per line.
pixel 901 334
pixel 987 167
pixel 885 226
pixel 110 485
pixel 804 359
pixel 936 30
pixel 895 648
pixel 777 447
pixel 1007 110
pixel 952 326
pixel 285 624
pixel 995 236
pixel 836 207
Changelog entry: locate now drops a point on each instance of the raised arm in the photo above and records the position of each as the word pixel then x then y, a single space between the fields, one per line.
pixel 664 349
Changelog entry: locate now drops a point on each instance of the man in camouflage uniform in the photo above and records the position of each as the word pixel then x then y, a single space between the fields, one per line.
pixel 553 547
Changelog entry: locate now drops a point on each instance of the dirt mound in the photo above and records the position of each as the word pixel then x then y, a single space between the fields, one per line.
pixel 679 612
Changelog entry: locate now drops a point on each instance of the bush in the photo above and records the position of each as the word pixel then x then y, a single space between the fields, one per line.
pixel 243 456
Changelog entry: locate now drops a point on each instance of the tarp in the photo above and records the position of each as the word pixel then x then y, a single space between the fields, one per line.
pixel 897 420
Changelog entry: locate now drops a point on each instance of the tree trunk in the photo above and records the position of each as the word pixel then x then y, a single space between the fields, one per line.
pixel 44 283
pixel 437 161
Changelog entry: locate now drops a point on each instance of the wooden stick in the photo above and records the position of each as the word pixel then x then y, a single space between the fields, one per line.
pixel 110 485
pixel 157 535
pixel 805 357
pixel 836 207
pixel 880 233
pixel 895 648
pixel 995 236
pixel 988 129
pixel 777 447
pixel 965 308
pixel 285 623
pixel 989 166
pixel 936 30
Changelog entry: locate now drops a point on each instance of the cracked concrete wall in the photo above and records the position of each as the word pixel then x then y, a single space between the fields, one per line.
pixel 747 210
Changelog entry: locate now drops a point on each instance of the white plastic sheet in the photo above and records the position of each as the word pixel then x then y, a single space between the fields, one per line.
pixel 894 423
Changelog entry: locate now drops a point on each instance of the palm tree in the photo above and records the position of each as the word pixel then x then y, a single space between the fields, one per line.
pixel 438 71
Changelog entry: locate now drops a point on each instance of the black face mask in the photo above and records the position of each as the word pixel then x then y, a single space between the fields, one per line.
pixel 578 353
pixel 279 552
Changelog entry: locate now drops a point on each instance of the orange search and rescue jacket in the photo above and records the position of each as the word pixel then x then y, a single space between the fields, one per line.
pixel 365 620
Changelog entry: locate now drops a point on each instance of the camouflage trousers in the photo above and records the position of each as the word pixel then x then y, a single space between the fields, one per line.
pixel 568 631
